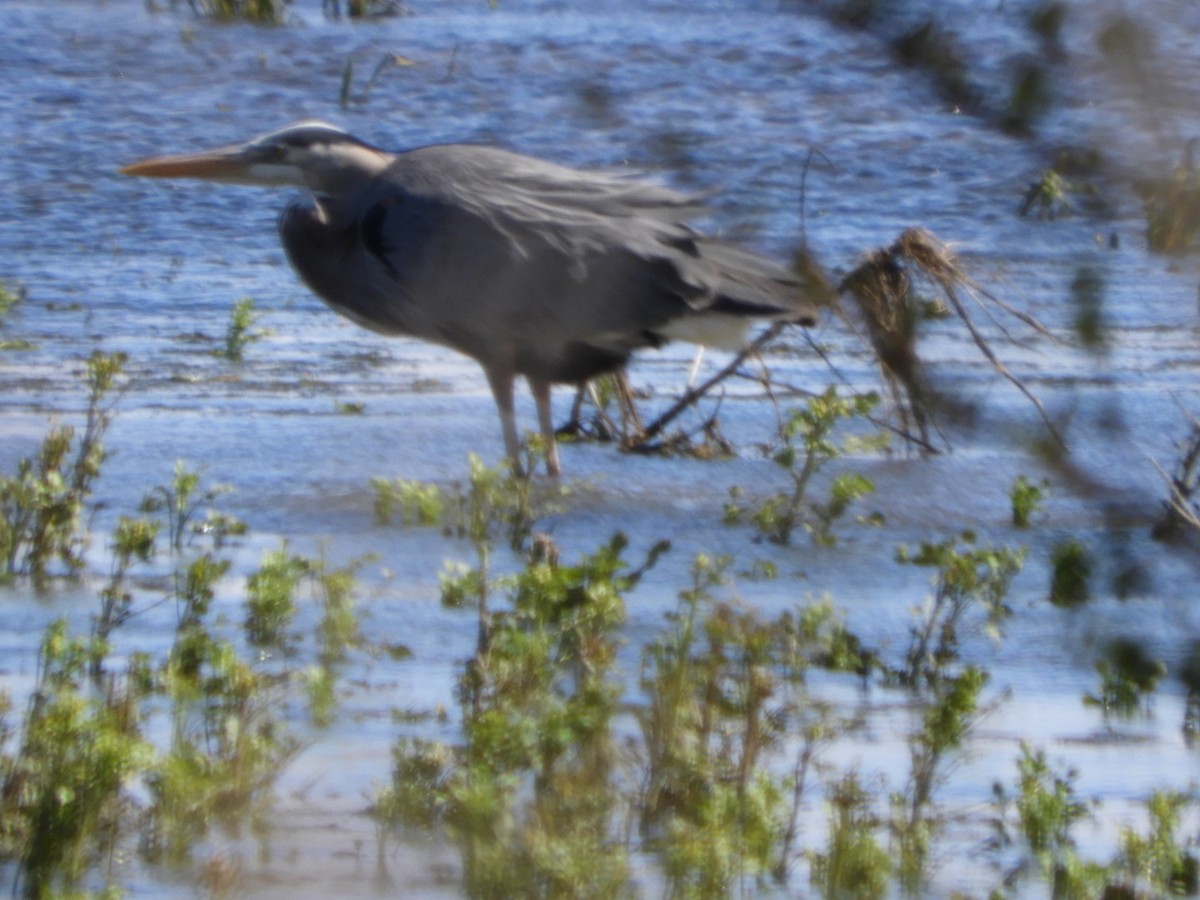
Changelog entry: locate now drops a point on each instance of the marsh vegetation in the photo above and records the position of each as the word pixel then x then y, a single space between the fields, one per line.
pixel 571 770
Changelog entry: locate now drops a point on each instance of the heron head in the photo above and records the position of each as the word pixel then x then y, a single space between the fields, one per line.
pixel 311 154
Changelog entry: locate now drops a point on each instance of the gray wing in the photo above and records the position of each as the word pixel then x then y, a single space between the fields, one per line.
pixel 505 256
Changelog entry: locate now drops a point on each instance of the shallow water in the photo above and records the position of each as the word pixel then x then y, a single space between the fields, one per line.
pixel 711 96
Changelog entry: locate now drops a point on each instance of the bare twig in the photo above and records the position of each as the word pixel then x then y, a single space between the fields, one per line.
pixel 693 394
pixel 1182 487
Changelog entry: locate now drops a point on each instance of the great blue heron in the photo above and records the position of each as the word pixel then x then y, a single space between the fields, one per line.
pixel 528 267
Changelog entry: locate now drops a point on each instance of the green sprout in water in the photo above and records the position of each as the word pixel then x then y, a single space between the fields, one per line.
pixel 61 796
pixel 8 299
pixel 1160 859
pixel 182 502
pixel 854 863
pixel 1048 197
pixel 807 446
pixel 412 502
pixel 969 598
pixel 42 506
pixel 1071 573
pixel 530 795
pixel 1129 676
pixel 1047 809
pixel 263 12
pixel 951 710
pixel 241 331
pixel 271 597
pixel 1027 498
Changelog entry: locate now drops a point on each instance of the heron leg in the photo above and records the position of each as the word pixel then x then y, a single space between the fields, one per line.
pixel 501 382
pixel 541 397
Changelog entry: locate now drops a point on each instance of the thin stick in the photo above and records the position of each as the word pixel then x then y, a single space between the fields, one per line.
pixel 997 364
pixel 691 395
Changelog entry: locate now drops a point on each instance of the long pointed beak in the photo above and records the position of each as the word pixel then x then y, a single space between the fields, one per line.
pixel 222 164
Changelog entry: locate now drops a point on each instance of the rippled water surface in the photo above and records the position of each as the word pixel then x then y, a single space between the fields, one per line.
pixel 715 96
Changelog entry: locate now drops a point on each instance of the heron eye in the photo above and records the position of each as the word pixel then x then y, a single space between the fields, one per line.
pixel 271 153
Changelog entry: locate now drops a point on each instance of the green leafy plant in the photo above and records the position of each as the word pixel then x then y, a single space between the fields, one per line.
pixel 1045 810
pixel 495 502
pixel 1027 499
pixel 854 863
pixel 42 506
pixel 806 446
pixel 529 797
pixel 241 330
pixel 714 814
pixel 1159 859
pixel 1128 677
pixel 412 502
pixel 262 12
pixel 969 598
pixel 65 809
pixel 1047 805
pixel 60 802
pixel 227 746
pixel 951 710
pixel 1048 197
pixel 133 542
pixel 271 597
pixel 726 698
pixel 9 298
pixel 183 501
pixel 1072 570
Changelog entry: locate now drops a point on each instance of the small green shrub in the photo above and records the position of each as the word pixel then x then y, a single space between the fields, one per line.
pixel 182 501
pixel 42 506
pixel 241 332
pixel 413 502
pixel 530 796
pixel 8 299
pixel 1047 809
pixel 1048 197
pixel 271 597
pixel 854 864
pixel 806 446
pixel 1071 574
pixel 1129 676
pixel 1027 499
pixel 60 803
pixel 263 12
pixel 969 598
pixel 1160 859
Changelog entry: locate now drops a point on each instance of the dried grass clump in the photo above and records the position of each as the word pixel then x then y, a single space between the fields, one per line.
pixel 885 289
